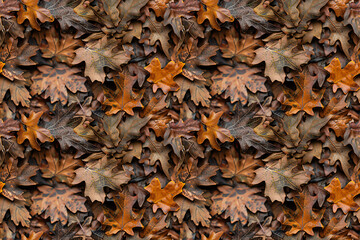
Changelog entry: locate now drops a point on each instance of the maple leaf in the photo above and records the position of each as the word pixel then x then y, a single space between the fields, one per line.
pixel 235 200
pixel 56 80
pixel 33 12
pixel 343 197
pixel 99 54
pixel 66 16
pixel 303 218
pixel 100 174
pixel 7 7
pixel 198 92
pixel 123 98
pixel 199 213
pixel 164 78
pixel 33 131
pixel 18 92
pixel 60 167
pixel 124 218
pixel 18 212
pixel 61 46
pixel 343 77
pixel 304 98
pixel 280 54
pixel 240 169
pixel 241 49
pixel 213 12
pixel 280 174
pixel 235 81
pixel 213 131
pixel 56 200
pixel 163 198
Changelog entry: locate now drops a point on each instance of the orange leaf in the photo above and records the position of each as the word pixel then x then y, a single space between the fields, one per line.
pixel 303 218
pixel 33 131
pixel 164 198
pixel 1 186
pixel 164 78
pixel 123 219
pixel 33 12
pixel 123 98
pixel 343 198
pixel 213 131
pixel 213 12
pixel 1 66
pixel 343 78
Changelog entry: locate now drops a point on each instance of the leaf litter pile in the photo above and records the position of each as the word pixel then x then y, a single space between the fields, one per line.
pixel 184 119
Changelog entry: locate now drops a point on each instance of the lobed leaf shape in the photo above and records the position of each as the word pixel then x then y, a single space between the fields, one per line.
pixel 213 12
pixel 280 54
pixel 123 98
pixel 100 54
pixel 279 174
pixel 163 198
pixel 198 211
pixel 100 174
pixel 213 131
pixel 235 80
pixel 56 81
pixel 7 7
pixel 123 218
pixel 33 131
pixel 33 12
pixel 343 198
pixel 304 218
pixel 55 200
pixel 235 200
pixel 18 211
pixel 343 78
pixel 304 98
pixel 164 78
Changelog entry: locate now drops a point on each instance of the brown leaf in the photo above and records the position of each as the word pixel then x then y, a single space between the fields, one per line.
pixel 56 200
pixel 7 7
pixel 198 212
pixel 18 211
pixel 235 200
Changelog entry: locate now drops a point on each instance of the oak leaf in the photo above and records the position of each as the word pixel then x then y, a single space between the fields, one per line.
pixel 213 12
pixel 100 174
pixel 129 9
pixel 56 81
pixel 7 126
pixel 163 197
pixel 33 12
pixel 123 98
pixel 33 131
pixel 352 136
pixel 280 54
pixel 153 229
pixel 56 200
pixel 235 80
pixel 352 17
pixel 304 98
pixel 18 211
pixel 123 218
pixel 304 218
pixel 163 78
pixel 159 6
pixel 279 174
pixel 235 200
pixel 343 197
pixel 343 77
pixel 198 92
pixel 213 131
pixel 100 54
pixel 339 6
